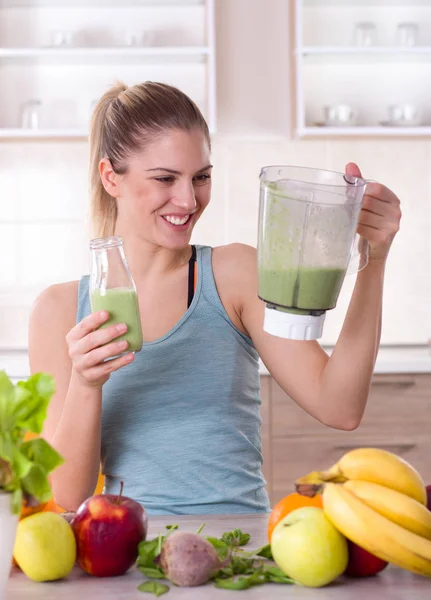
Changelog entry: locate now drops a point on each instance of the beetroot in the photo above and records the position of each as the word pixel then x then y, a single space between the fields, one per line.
pixel 188 559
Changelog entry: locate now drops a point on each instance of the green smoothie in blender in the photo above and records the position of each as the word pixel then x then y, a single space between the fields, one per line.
pixel 302 288
pixel 307 229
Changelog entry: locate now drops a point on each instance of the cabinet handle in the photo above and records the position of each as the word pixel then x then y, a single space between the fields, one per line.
pixel 396 448
pixel 396 382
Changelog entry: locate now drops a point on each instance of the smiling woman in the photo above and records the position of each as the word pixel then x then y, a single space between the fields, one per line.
pixel 163 202
pixel 179 421
pixel 148 416
pixel 127 122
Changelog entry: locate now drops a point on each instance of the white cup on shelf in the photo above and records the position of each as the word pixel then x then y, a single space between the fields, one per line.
pixel 133 39
pixel 407 34
pixel 365 34
pixel 404 115
pixel 61 38
pixel 30 114
pixel 340 115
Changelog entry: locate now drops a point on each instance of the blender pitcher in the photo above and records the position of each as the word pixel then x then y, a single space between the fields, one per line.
pixel 307 242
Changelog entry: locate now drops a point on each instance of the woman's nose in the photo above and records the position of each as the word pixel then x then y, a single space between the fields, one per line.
pixel 185 198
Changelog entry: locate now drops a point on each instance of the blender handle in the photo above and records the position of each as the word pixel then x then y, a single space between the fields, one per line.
pixel 358 255
pixel 364 245
pixel 359 260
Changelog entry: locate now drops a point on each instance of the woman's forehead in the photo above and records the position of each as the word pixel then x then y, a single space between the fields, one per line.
pixel 176 150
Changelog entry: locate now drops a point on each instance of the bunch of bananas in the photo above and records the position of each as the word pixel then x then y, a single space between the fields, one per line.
pixel 378 501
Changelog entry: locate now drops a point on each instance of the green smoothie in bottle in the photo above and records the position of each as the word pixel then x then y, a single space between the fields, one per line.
pixel 122 306
pixel 112 289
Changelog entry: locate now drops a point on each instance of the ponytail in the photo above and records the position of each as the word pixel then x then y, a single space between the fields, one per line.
pixel 103 205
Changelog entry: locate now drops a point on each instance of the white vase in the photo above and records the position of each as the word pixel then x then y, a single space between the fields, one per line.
pixel 8 525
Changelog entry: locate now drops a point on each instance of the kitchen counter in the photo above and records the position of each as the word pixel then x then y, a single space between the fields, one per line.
pixel 391 584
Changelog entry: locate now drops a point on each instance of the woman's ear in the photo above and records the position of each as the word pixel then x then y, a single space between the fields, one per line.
pixel 110 179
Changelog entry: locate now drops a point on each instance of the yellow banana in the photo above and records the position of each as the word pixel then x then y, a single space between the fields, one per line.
pixel 369 464
pixel 374 532
pixel 393 505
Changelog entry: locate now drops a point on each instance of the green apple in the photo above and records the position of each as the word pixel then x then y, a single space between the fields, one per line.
pixel 308 548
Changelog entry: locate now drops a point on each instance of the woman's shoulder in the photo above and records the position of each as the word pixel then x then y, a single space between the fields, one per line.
pixel 236 259
pixel 235 273
pixel 65 293
pixel 57 300
pixel 241 252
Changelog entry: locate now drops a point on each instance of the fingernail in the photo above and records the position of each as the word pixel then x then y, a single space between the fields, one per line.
pixel 123 344
pixel 103 314
pixel 130 357
pixel 121 327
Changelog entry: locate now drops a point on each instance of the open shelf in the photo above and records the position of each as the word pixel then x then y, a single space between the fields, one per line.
pixel 366 51
pixel 330 69
pixel 361 3
pixel 148 53
pixel 68 78
pixel 424 130
pixel 17 133
pixel 94 3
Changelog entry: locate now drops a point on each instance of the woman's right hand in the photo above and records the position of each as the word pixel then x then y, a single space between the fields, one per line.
pixel 89 347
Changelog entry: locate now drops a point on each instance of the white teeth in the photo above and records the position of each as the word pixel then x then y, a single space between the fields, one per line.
pixel 176 220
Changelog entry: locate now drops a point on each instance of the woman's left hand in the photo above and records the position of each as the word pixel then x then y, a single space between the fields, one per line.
pixel 380 216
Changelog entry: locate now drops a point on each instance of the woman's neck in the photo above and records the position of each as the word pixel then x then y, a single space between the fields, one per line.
pixel 146 259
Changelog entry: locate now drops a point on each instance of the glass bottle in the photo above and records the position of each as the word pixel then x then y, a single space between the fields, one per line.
pixel 112 289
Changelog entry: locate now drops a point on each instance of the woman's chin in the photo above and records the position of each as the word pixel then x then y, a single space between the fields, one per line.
pixel 177 242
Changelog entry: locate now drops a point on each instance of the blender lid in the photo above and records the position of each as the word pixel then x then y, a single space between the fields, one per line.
pixel 291 326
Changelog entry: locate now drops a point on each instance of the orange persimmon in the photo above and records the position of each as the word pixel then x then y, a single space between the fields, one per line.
pixel 29 509
pixel 287 504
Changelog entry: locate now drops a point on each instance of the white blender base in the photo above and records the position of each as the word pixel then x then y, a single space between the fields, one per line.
pixel 293 327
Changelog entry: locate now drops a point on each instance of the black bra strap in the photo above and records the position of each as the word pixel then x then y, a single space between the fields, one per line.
pixel 191 291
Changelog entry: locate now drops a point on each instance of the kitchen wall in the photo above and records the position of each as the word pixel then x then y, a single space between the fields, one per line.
pixel 43 236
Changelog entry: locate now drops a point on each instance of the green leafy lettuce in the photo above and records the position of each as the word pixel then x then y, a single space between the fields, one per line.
pixel 25 465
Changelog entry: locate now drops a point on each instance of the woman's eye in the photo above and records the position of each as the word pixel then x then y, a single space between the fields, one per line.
pixel 168 179
pixel 202 178
pixel 197 179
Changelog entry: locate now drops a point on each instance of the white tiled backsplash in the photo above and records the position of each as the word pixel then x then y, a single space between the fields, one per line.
pixel 43 231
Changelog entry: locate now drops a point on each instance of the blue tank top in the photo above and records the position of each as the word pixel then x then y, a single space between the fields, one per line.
pixel 181 424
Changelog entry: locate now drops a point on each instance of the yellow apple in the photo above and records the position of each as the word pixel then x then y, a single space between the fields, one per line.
pixel 45 547
pixel 308 548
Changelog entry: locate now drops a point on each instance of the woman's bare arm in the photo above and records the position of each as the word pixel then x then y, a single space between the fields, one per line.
pixel 73 355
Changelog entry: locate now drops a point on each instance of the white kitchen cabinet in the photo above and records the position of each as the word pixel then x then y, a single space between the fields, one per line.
pixel 65 53
pixel 331 68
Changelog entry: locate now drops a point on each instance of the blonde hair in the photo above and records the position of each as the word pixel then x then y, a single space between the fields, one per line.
pixel 124 119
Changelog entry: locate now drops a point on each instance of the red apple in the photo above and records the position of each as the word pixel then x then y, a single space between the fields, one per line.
pixel 108 530
pixel 428 489
pixel 362 563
